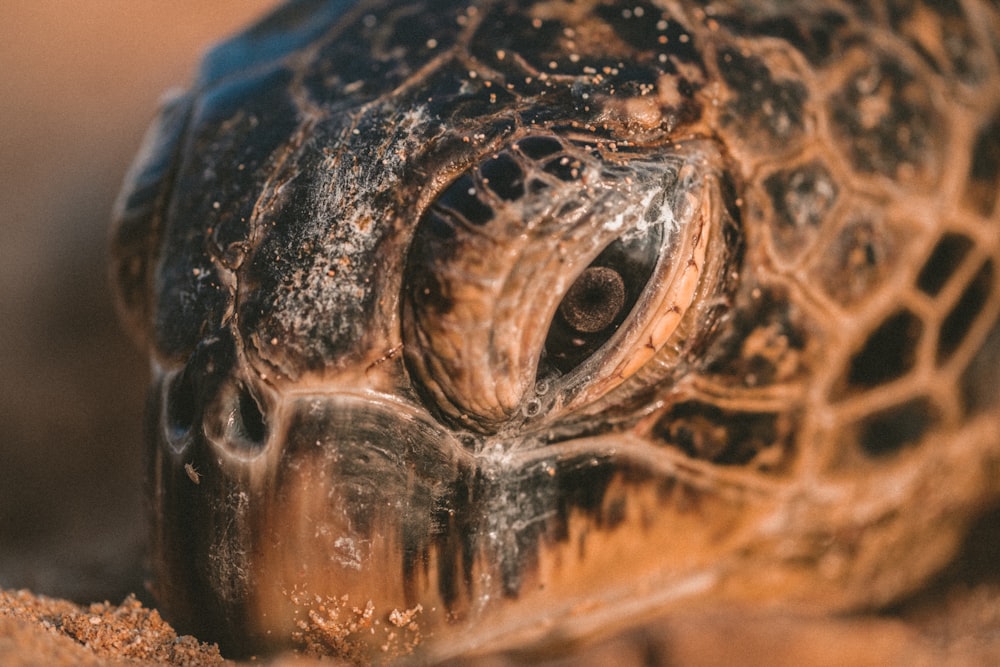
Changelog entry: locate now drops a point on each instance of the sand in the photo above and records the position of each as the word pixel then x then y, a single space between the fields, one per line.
pixel 37 630
pixel 964 629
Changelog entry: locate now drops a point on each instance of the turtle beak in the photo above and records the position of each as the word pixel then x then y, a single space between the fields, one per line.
pixel 335 502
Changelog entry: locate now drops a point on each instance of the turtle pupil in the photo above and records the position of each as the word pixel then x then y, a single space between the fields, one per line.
pixel 594 301
pixel 599 301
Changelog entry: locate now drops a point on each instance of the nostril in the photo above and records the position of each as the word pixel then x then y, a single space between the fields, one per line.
pixel 181 406
pixel 247 425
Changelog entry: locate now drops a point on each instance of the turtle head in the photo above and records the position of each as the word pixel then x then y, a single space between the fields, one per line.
pixel 453 343
pixel 365 404
pixel 393 371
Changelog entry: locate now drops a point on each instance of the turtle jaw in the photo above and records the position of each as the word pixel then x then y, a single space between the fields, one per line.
pixel 337 505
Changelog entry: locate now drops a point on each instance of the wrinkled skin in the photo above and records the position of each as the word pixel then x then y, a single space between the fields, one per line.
pixel 511 319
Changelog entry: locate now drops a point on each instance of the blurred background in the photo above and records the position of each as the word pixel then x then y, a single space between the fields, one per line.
pixel 79 83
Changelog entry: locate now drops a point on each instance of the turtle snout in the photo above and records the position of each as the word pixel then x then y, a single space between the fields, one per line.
pixel 328 495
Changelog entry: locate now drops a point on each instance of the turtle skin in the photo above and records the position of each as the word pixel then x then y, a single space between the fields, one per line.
pixel 475 323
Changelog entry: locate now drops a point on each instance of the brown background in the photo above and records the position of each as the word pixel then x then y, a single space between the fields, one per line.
pixel 79 82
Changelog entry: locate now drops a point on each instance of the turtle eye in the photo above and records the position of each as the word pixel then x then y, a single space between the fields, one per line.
pixel 556 263
pixel 600 300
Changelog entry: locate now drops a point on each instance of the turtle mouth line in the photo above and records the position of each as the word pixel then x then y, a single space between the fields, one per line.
pixel 630 449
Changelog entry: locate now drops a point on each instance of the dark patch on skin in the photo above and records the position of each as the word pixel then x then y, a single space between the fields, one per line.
pixel 943 261
pixel 369 58
pixel 455 542
pixel 983 183
pixel 510 516
pixel 801 198
pixel 732 222
pixel 761 105
pixel 965 313
pixel 774 324
pixel 502 175
pixel 682 497
pixel 639 25
pixel 463 200
pixel 607 55
pixel 888 431
pixel 889 353
pixel 564 168
pixel 883 118
pixel 726 437
pixel 538 147
pixel 816 33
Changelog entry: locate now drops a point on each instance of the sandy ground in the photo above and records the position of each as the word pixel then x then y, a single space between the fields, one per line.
pixel 78 84
pixel 961 628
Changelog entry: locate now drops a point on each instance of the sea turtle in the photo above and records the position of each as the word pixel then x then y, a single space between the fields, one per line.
pixel 479 320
